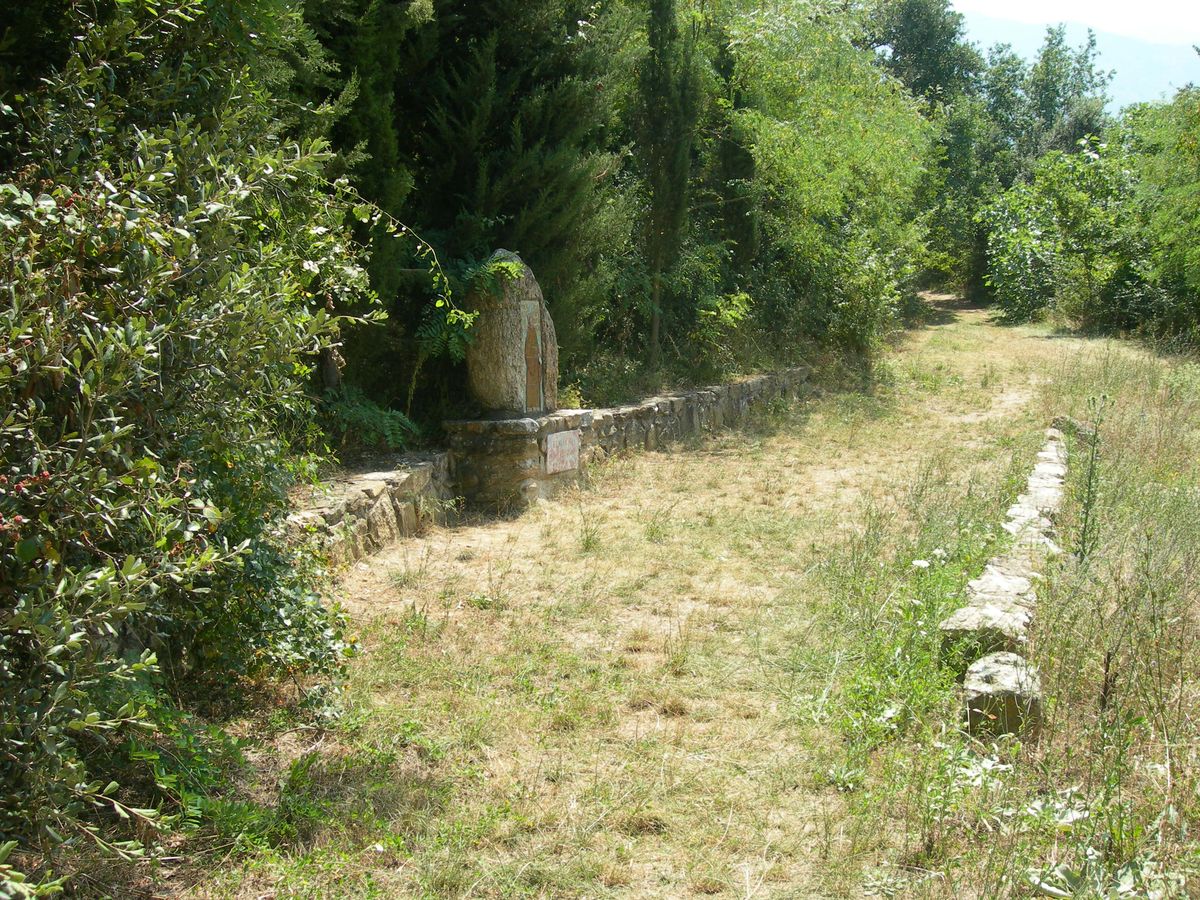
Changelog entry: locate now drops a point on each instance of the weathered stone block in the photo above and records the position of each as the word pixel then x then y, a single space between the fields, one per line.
pixel 1050 469
pixel 382 526
pixel 1003 695
pixel 998 583
pixel 420 478
pixel 1016 566
pixel 1045 499
pixel 407 516
pixel 512 363
pixel 988 627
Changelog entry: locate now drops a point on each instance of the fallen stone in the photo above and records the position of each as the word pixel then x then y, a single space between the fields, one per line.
pixel 995 583
pixel 1003 695
pixel 986 628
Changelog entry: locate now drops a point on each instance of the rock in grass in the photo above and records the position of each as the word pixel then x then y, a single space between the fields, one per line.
pixel 999 579
pixel 1003 695
pixel 1014 566
pixel 986 627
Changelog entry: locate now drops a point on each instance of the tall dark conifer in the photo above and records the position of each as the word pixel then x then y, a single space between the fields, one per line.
pixel 365 39
pixel 669 111
pixel 735 169
pixel 509 151
pixel 481 124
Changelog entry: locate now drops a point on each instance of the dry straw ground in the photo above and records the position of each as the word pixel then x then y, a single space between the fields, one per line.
pixel 712 671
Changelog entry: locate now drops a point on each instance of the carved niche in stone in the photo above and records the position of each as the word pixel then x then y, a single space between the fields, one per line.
pixel 512 361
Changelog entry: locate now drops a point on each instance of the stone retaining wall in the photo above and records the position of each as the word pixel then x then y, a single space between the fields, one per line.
pixel 360 512
pixel 502 463
pixel 499 463
pixel 1001 689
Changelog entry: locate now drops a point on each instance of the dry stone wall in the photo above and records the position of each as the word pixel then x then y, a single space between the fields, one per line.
pixel 499 463
pixel 360 512
pixel 1001 688
pixel 511 462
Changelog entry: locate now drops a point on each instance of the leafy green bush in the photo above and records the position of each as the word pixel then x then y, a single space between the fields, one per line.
pixel 356 422
pixel 1164 141
pixel 1106 237
pixel 170 262
pixel 1022 247
pixel 1059 240
pixel 839 154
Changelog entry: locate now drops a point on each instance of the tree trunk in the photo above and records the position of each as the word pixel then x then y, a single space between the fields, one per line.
pixel 655 318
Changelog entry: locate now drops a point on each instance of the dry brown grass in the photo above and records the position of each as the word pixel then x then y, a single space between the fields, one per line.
pixel 625 691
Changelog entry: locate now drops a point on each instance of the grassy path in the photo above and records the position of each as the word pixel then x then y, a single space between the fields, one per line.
pixel 644 688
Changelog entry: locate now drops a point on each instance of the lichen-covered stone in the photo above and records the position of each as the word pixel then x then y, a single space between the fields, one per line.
pixel 1003 695
pixel 512 361
pixel 987 627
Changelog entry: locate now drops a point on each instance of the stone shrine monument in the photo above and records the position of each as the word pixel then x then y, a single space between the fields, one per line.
pixel 522 447
pixel 519 450
pixel 512 361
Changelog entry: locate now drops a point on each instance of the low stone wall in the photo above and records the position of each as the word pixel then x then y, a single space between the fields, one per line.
pixel 1001 689
pixel 362 511
pixel 507 462
pixel 661 420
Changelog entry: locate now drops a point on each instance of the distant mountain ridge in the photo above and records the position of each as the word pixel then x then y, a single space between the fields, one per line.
pixel 1145 71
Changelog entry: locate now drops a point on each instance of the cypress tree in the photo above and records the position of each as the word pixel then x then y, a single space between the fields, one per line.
pixel 365 39
pixel 735 166
pixel 510 152
pixel 669 110
pixel 481 124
